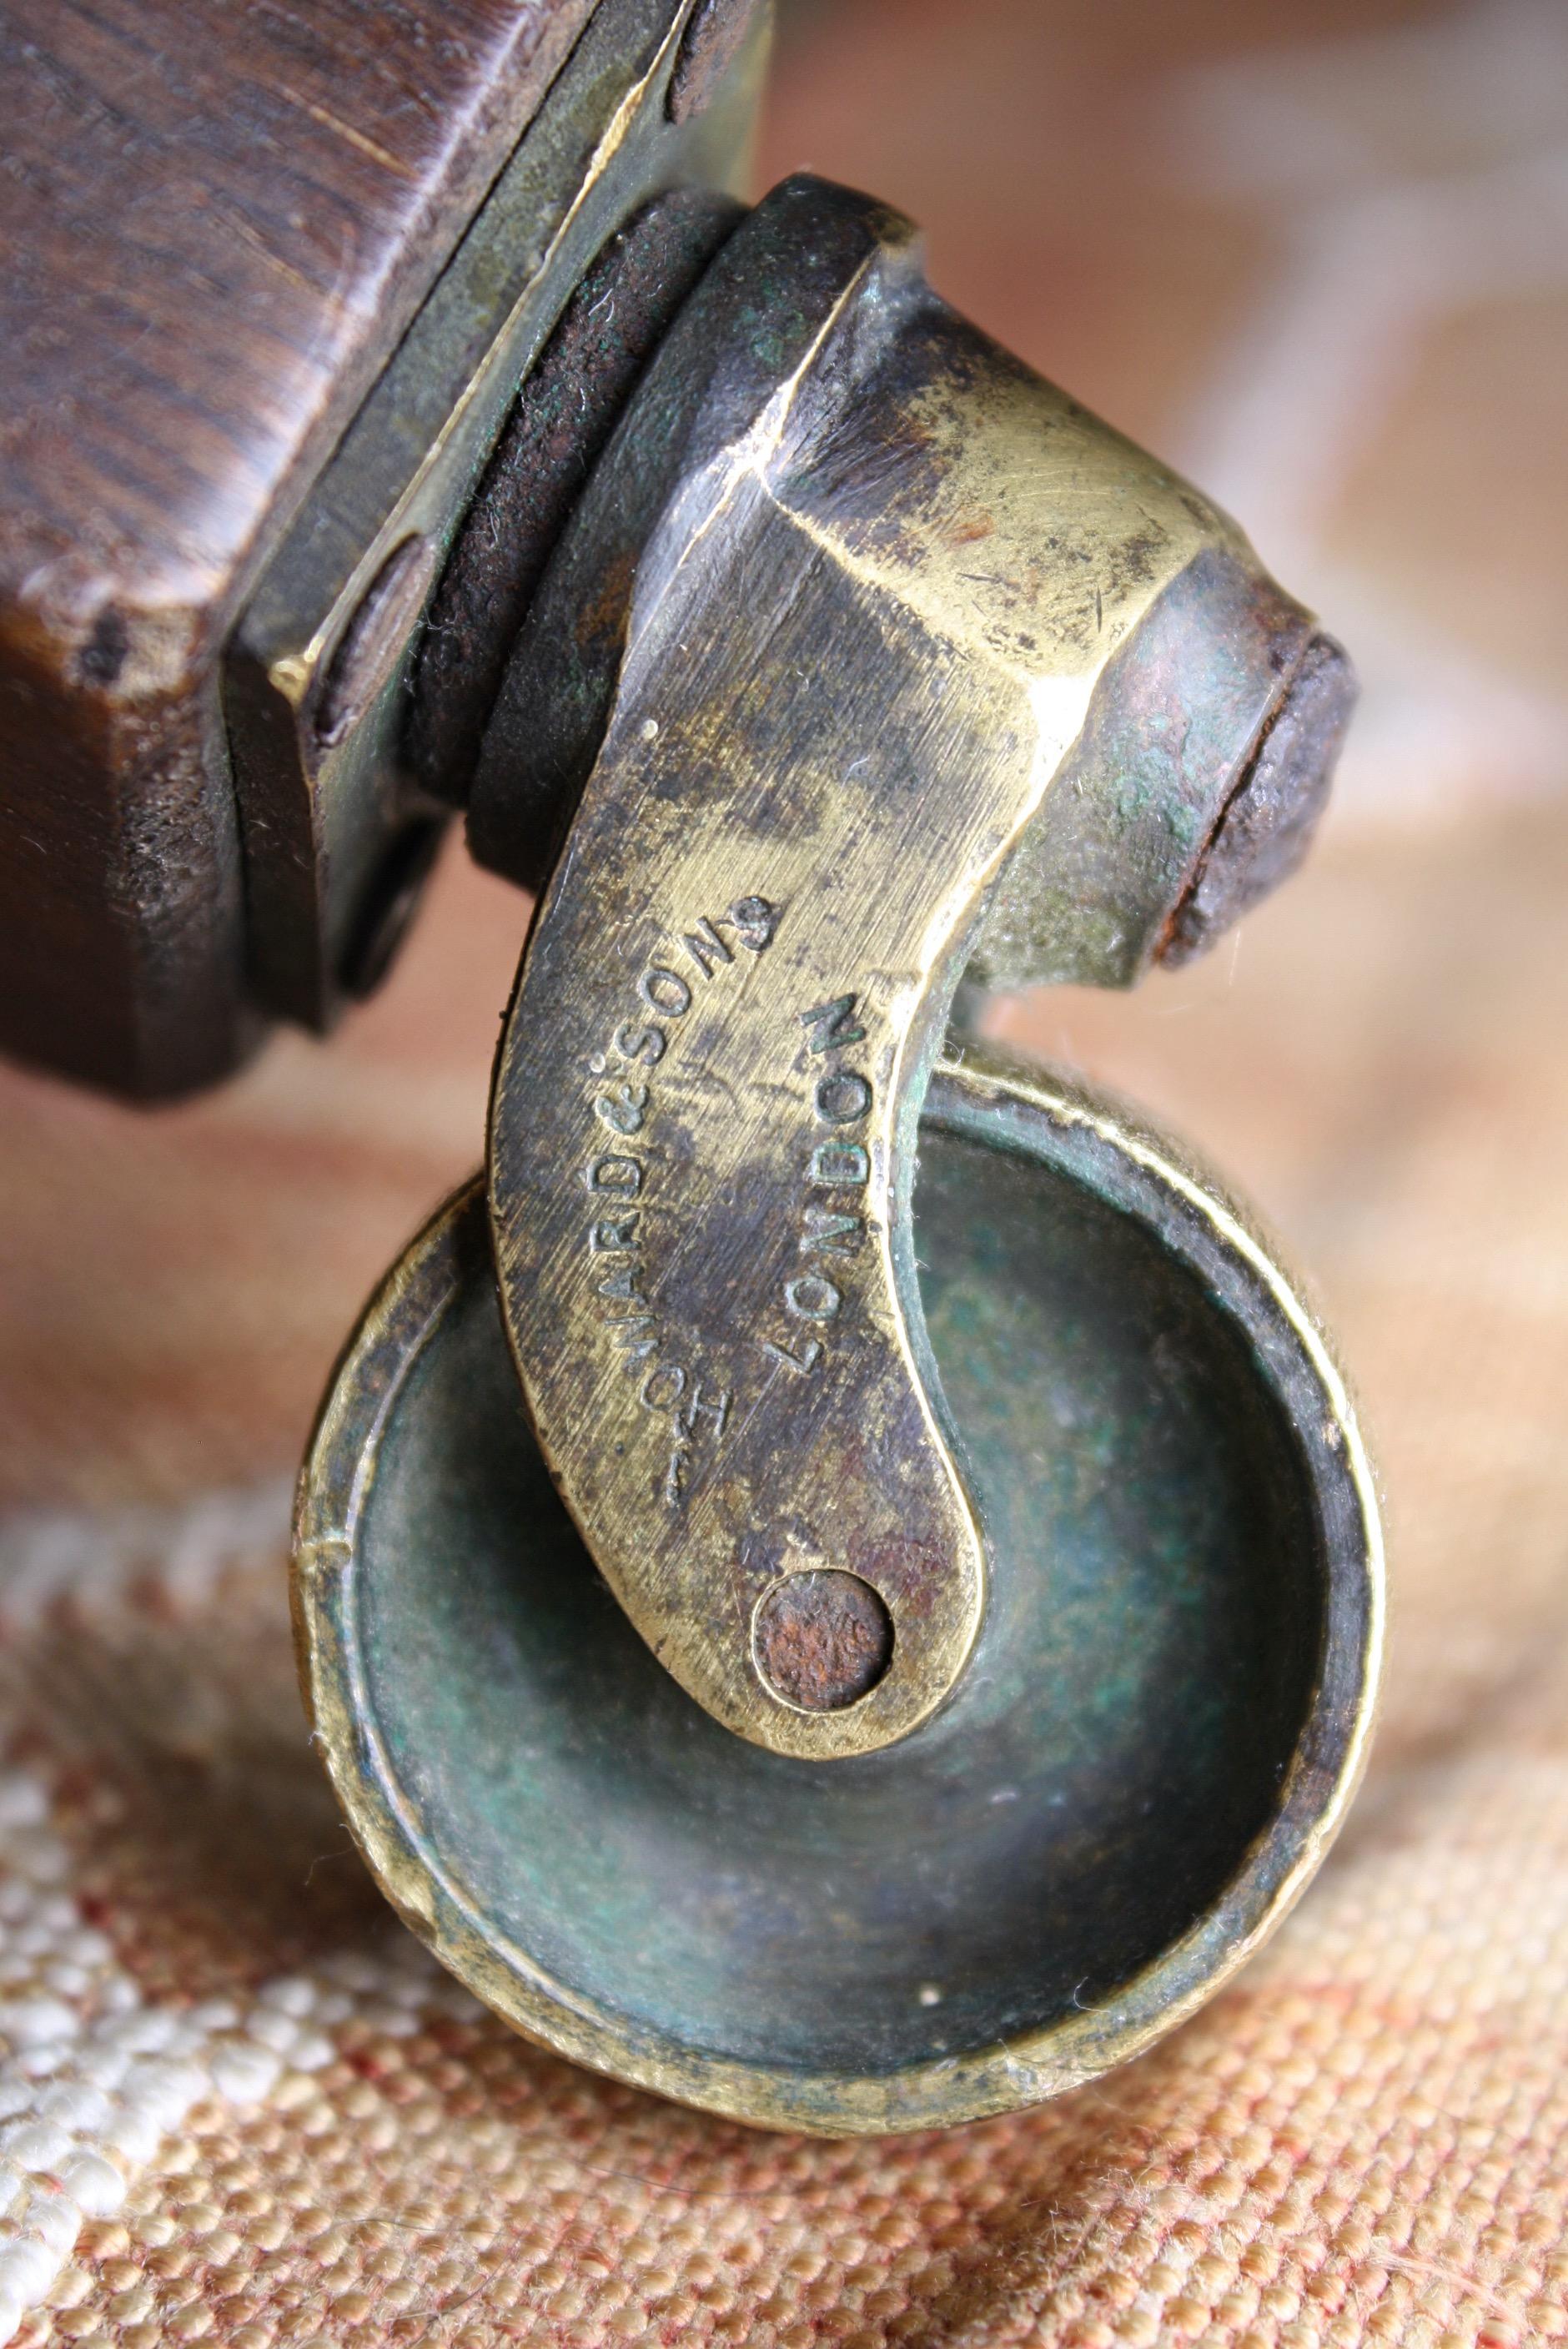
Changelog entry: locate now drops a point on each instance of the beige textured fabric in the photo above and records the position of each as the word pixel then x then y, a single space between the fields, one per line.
pixel 236 2104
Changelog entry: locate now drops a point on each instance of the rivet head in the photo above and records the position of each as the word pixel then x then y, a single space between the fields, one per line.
pixel 821 1640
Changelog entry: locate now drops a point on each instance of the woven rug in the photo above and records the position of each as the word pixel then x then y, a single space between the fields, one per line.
pixel 236 2103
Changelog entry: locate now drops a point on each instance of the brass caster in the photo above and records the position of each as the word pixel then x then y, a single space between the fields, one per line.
pixel 1150 1750
pixel 848 1650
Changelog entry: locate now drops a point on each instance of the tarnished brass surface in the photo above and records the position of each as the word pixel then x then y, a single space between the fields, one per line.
pixel 1156 1740
pixel 899 607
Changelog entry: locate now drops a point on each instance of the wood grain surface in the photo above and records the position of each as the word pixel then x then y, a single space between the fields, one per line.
pixel 215 221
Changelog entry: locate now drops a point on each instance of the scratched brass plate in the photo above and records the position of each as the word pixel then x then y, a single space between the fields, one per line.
pixel 1152 1744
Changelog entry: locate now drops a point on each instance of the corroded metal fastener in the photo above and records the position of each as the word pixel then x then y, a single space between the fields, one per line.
pixel 1267 827
pixel 866 656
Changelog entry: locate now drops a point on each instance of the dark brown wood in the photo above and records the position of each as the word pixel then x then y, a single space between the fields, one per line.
pixel 216 217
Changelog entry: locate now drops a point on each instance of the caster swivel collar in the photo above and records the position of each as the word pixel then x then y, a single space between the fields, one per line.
pixel 839 1580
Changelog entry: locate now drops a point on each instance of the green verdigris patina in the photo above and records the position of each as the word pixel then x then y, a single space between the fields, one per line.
pixel 1155 1734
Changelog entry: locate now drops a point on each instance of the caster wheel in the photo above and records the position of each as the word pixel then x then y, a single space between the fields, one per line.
pixel 1152 1744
